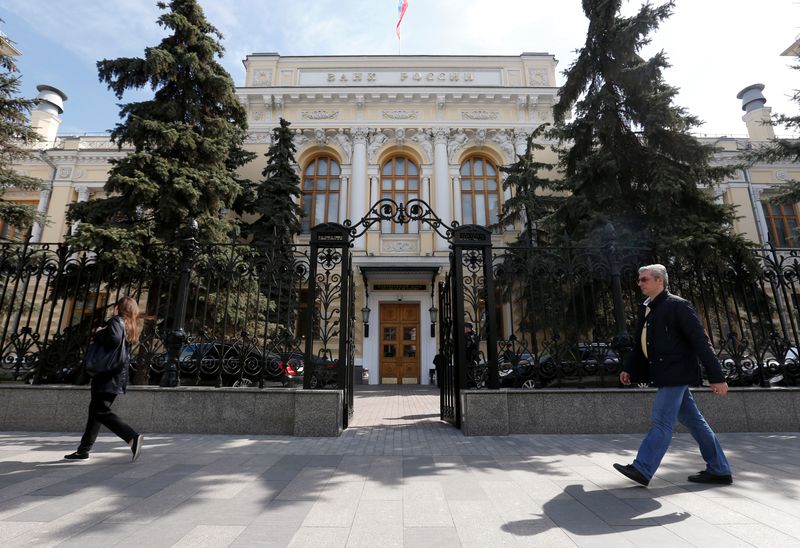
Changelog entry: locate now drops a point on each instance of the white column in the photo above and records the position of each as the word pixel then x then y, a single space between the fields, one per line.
pixel 44 199
pixel 343 198
pixel 358 181
pixel 459 214
pixel 425 191
pixel 374 196
pixel 441 181
pixel 83 195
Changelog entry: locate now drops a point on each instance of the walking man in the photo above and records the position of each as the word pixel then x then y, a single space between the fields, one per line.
pixel 669 342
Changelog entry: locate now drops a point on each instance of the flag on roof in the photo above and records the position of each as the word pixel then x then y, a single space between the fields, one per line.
pixel 402 6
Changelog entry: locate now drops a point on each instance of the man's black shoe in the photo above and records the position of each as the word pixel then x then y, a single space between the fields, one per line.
pixel 706 477
pixel 632 473
pixel 77 455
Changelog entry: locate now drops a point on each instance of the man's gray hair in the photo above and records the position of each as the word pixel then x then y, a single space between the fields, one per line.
pixel 658 271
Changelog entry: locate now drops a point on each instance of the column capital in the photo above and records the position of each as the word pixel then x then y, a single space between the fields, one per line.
pixel 359 135
pixel 440 135
pixel 83 192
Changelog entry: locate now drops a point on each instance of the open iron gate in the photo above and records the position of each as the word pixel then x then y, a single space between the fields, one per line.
pixel 467 295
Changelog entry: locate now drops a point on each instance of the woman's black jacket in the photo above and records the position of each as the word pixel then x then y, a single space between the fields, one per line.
pixel 110 337
pixel 676 341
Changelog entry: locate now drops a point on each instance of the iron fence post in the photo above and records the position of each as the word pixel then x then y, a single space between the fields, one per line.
pixel 176 338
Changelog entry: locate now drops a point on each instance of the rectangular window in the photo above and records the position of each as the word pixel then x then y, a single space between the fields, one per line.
pixel 11 232
pixel 782 223
pixel 92 305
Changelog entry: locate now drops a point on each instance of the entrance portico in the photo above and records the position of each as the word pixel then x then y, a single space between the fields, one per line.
pixel 400 344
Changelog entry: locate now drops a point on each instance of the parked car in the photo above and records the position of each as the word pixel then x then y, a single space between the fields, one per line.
pixel 223 364
pixel 591 364
pixel 324 370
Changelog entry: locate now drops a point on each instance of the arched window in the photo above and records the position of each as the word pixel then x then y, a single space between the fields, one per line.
pixel 399 182
pixel 480 191
pixel 321 185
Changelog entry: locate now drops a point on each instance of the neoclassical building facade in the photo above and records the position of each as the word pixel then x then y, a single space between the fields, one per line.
pixel 435 128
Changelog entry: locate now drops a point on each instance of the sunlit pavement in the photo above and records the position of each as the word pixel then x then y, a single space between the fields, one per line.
pixel 397 477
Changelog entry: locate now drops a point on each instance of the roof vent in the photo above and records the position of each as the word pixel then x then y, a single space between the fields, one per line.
pixel 50 99
pixel 752 98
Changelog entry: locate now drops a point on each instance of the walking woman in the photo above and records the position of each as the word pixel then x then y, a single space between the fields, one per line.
pixel 123 326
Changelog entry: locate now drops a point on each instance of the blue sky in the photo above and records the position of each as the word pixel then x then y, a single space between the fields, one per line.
pixel 717 47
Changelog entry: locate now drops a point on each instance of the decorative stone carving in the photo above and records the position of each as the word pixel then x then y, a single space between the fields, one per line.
pixel 64 172
pixel 405 246
pixel 319 114
pixel 457 142
pixel 503 140
pixel 780 175
pixel 400 136
pixel 538 77
pixel 257 115
pixel 400 114
pixel 360 102
pixel 520 141
pixel 262 78
pixel 345 144
pixel 480 137
pixel 376 141
pixel 440 135
pixel 320 137
pixel 299 140
pixel 480 115
pixel 424 141
pixel 79 174
pixel 258 137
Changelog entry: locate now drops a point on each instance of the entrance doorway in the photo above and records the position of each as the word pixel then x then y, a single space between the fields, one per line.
pixel 399 350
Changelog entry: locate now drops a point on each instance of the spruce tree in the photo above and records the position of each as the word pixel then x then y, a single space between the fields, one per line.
pixel 532 201
pixel 16 138
pixel 628 156
pixel 187 142
pixel 273 233
pixel 277 194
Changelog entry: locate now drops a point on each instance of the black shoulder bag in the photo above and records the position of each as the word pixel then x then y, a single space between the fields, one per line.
pixel 100 360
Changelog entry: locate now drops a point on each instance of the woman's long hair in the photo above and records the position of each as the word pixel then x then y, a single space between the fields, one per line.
pixel 129 310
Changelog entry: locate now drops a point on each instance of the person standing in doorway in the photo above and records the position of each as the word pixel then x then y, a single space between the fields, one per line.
pixel 669 342
pixel 123 326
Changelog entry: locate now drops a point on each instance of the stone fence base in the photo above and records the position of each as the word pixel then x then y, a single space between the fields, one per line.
pixel 195 410
pixel 620 411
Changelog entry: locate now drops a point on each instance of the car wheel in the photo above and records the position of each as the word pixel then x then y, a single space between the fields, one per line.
pixel 528 384
pixel 243 383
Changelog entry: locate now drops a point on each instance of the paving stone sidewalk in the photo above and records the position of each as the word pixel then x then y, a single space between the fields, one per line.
pixel 397 477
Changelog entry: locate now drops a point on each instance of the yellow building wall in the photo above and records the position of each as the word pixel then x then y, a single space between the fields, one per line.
pixel 56 227
pixel 745 224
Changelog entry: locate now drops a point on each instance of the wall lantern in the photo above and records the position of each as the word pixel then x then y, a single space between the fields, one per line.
pixel 365 317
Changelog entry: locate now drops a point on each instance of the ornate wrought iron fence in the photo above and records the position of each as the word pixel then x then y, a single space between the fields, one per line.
pixel 569 311
pixel 245 312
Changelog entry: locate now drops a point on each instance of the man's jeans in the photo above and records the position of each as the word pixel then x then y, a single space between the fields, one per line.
pixel 676 402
